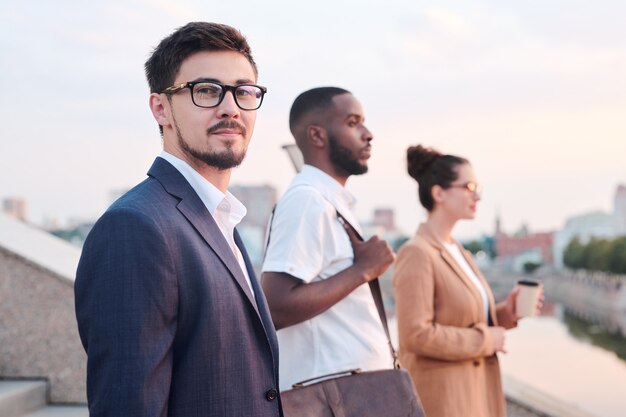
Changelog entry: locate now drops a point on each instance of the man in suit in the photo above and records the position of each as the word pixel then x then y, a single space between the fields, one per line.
pixel 169 310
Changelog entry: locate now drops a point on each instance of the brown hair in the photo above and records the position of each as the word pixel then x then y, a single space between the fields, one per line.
pixel 166 59
pixel 429 168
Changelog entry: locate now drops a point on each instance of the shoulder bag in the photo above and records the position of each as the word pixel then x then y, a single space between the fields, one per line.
pixel 353 393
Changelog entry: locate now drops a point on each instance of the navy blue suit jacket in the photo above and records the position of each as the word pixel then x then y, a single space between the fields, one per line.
pixel 165 314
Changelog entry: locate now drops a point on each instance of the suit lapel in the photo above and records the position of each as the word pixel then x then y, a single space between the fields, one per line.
pixel 192 208
pixel 262 308
pixel 204 223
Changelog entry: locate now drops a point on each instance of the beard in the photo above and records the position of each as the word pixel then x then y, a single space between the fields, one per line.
pixel 222 160
pixel 344 159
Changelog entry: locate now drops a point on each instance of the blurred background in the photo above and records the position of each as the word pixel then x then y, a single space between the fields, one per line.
pixel 533 93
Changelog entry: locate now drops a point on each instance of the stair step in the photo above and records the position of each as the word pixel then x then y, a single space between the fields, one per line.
pixel 20 397
pixel 61 411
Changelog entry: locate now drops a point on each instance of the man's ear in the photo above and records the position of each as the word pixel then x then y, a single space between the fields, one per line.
pixel 160 108
pixel 317 136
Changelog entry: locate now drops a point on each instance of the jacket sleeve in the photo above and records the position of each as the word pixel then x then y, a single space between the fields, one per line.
pixel 414 282
pixel 126 303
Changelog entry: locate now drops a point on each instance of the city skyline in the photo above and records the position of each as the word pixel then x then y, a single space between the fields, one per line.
pixel 532 94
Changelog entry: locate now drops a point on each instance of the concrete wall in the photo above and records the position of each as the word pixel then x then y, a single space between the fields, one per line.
pixel 38 333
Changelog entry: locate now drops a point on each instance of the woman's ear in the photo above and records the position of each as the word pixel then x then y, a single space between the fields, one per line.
pixel 438 193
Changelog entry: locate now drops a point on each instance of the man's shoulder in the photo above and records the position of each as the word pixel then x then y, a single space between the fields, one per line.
pixel 303 191
pixel 144 203
pixel 146 195
pixel 303 200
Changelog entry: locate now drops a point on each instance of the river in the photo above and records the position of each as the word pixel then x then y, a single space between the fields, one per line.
pixel 579 362
pixel 570 359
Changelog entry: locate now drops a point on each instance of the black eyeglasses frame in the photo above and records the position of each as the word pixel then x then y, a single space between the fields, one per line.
pixel 225 88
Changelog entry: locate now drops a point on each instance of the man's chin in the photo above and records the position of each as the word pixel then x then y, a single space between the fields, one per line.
pixel 222 160
pixel 363 168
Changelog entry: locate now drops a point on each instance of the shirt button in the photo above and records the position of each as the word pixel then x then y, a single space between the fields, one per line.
pixel 271 395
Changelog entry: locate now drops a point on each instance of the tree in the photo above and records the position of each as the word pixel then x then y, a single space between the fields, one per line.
pixel 474 246
pixel 597 253
pixel 617 256
pixel 530 267
pixel 573 255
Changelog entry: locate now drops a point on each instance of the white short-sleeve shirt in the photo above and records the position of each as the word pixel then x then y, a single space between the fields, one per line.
pixel 308 242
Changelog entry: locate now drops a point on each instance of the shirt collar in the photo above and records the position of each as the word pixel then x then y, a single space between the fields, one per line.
pixel 210 195
pixel 336 194
pixel 327 185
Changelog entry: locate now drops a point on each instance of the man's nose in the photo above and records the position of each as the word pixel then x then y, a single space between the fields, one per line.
pixel 228 107
pixel 367 135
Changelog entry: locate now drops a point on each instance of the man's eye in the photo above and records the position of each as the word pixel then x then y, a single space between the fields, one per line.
pixel 207 90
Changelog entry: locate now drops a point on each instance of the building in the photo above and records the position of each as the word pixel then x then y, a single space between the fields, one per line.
pixel 14 207
pixel 383 225
pixel 619 203
pixel 260 201
pixel 385 219
pixel 513 251
pixel 586 226
pixel 518 244
pixel 38 334
pixel 596 224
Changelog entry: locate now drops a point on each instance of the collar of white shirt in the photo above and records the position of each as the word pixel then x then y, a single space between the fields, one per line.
pixel 334 192
pixel 210 195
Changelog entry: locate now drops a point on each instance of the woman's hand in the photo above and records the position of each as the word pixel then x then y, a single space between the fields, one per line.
pixel 506 310
pixel 507 316
pixel 497 339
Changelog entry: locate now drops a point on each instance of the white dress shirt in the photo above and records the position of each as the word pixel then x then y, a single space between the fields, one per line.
pixel 226 210
pixel 309 243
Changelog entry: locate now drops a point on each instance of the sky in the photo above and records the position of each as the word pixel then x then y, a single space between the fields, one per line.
pixel 533 93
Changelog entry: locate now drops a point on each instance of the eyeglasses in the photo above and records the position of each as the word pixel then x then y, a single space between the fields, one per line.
pixel 471 186
pixel 207 94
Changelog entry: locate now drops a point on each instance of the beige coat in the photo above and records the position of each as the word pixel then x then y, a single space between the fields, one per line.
pixel 444 340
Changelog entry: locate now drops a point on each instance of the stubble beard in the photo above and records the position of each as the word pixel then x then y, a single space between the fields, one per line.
pixel 344 159
pixel 223 160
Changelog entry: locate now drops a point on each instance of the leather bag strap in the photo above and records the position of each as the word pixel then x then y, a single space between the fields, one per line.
pixel 373 284
pixel 376 294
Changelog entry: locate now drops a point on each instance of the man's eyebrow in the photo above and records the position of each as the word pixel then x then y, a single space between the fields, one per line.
pixel 355 115
pixel 205 79
pixel 215 80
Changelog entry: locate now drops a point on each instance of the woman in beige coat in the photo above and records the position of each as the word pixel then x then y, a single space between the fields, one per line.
pixel 449 325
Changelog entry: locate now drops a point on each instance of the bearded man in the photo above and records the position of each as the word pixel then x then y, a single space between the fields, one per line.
pixel 315 272
pixel 169 311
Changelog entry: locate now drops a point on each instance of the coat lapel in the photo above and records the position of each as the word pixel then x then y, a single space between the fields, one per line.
pixel 192 208
pixel 492 302
pixel 447 257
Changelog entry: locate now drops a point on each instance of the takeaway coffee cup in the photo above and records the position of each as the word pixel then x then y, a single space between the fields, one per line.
pixel 527 298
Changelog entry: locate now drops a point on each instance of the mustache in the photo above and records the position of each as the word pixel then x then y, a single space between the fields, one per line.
pixel 227 124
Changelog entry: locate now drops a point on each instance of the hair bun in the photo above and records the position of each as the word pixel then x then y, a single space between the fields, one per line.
pixel 418 159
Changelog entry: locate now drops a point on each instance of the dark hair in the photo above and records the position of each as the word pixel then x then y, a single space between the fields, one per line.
pixel 429 168
pixel 314 99
pixel 166 59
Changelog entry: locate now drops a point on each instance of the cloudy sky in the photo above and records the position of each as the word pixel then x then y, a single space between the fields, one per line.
pixel 533 93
